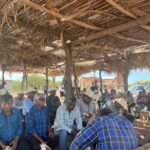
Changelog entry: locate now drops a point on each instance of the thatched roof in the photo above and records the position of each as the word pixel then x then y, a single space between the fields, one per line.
pixel 106 32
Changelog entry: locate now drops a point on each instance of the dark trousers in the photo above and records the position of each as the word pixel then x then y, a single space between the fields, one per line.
pixel 35 144
pixel 22 144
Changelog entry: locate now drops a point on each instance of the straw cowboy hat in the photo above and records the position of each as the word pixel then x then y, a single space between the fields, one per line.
pixel 52 89
pixel 31 90
pixel 121 102
pixel 21 92
pixel 90 94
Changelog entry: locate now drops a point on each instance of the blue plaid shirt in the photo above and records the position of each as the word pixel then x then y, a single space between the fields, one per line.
pixel 109 133
pixel 37 121
pixel 10 126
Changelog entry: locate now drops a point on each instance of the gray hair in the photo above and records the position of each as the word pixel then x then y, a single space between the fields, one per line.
pixel 37 96
pixel 7 98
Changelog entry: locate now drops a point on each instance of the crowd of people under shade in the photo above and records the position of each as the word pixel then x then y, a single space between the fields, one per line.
pixel 75 124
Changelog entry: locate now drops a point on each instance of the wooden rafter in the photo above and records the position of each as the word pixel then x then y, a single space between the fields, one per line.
pixel 75 21
pixel 55 13
pixel 115 29
pixel 130 39
pixel 126 12
pixel 65 18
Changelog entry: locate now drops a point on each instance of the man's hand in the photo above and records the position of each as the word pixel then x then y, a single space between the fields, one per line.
pixel 51 134
pixel 74 132
pixel 14 144
pixel 2 145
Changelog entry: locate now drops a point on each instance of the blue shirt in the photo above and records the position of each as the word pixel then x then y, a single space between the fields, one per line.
pixel 27 104
pixel 37 121
pixel 109 133
pixel 10 126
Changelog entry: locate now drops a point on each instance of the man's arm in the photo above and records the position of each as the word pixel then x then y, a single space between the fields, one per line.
pixel 85 139
pixel 79 119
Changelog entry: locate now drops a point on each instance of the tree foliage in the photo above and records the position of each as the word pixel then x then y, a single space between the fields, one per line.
pixel 16 86
pixel 35 81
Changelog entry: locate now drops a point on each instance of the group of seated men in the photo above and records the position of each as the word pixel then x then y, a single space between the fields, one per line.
pixel 56 124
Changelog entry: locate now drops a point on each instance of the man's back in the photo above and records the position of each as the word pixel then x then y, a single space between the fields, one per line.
pixel 109 133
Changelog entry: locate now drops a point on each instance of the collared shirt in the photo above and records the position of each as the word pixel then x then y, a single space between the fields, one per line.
pixel 27 104
pixel 109 133
pixel 18 103
pixel 37 121
pixel 10 126
pixel 86 108
pixel 65 120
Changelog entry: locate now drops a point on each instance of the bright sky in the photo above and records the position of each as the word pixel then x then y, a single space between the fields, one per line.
pixel 134 76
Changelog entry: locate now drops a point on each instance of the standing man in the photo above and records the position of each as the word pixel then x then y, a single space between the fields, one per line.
pixel 10 125
pixel 29 101
pixel 38 129
pixel 18 101
pixel 87 107
pixel 109 132
pixel 68 121
pixel 52 103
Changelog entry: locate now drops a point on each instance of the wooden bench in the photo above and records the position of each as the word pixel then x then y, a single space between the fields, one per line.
pixel 142 127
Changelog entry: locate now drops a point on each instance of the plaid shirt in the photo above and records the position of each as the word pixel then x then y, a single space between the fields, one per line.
pixel 109 133
pixel 37 121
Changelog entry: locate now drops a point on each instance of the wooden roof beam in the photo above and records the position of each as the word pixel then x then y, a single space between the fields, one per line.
pixel 85 25
pixel 115 29
pixel 126 12
pixel 55 13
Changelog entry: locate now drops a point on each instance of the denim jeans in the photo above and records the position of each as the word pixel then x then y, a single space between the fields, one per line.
pixel 63 139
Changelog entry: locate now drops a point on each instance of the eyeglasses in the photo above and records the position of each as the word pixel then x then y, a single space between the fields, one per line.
pixel 42 99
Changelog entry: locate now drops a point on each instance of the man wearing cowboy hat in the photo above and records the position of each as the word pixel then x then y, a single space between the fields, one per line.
pixel 18 101
pixel 109 132
pixel 87 106
pixel 52 103
pixel 29 101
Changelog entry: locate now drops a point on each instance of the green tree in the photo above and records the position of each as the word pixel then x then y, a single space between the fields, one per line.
pixel 16 86
pixel 36 81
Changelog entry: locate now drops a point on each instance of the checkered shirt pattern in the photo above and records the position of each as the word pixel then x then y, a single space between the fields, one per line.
pixel 108 133
pixel 37 121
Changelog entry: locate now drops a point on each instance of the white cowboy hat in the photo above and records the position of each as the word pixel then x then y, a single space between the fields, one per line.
pixel 21 92
pixel 52 89
pixel 121 102
pixel 90 94
pixel 31 90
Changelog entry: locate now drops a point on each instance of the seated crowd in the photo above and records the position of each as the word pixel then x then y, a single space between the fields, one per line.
pixel 76 124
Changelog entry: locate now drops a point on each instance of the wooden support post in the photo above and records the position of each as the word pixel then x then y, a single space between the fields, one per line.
pixel 53 78
pixel 68 71
pixel 75 81
pixel 47 82
pixel 3 75
pixel 125 80
pixel 101 81
pixel 24 79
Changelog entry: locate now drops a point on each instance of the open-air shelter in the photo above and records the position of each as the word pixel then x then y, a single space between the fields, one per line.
pixel 74 36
